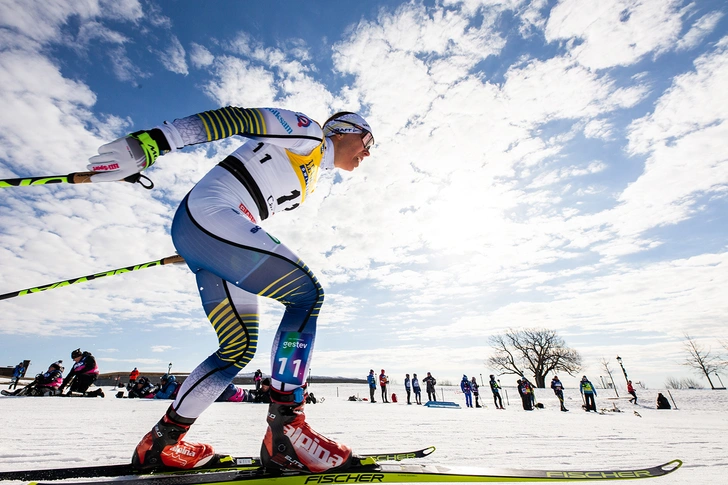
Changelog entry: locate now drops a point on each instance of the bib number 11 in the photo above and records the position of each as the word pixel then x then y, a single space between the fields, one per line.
pixel 289 362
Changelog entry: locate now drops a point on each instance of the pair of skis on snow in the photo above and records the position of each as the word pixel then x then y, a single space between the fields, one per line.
pixel 248 471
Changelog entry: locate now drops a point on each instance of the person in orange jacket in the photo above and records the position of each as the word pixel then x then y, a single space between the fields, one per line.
pixel 383 381
pixel 133 376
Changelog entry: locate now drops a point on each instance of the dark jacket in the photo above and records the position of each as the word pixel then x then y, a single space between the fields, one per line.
pixel 87 365
pixel 430 382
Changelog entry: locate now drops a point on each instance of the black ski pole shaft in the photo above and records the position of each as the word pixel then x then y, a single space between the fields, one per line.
pixel 58 284
pixel 71 178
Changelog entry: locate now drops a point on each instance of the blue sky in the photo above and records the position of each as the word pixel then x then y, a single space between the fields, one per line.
pixel 538 164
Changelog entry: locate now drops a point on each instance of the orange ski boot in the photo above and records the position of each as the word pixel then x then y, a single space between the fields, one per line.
pixel 163 447
pixel 291 444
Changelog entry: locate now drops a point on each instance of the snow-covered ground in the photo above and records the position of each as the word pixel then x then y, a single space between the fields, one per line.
pixel 52 432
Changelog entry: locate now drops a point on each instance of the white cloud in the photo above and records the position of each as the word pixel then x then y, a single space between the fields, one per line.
pixel 161 348
pixel 173 57
pixel 701 28
pixel 618 32
pixel 200 56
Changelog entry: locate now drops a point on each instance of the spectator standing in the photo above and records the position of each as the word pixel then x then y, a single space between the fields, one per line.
pixel 430 382
pixel 559 391
pixel 257 378
pixel 630 390
pixel 589 392
pixel 133 375
pixel 474 386
pixel 383 381
pixel 525 396
pixel 83 373
pixel 416 389
pixel 407 387
pixel 495 389
pixel 529 390
pixel 467 391
pixel 662 402
pixel 372 380
pixel 17 374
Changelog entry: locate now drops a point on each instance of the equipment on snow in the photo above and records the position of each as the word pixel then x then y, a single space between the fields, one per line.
pixel 220 461
pixel 395 473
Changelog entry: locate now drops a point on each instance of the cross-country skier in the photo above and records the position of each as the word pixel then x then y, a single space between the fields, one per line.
pixel 217 230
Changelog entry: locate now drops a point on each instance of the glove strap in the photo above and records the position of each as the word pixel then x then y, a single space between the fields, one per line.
pixel 154 144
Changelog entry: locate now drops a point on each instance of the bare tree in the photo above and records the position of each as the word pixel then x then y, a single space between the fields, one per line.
pixel 608 370
pixel 536 351
pixel 685 383
pixel 701 360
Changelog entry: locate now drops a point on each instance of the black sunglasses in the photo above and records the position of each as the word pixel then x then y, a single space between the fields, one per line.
pixel 366 136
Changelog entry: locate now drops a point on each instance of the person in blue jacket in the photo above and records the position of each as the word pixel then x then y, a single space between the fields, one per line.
pixel 17 374
pixel 372 380
pixel 467 391
pixel 589 392
pixel 169 388
pixel 416 389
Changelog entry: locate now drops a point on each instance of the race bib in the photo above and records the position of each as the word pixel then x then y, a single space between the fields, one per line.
pixel 291 357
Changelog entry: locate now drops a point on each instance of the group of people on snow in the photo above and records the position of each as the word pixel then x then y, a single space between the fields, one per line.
pixel 470 390
pixel 82 375
pixel 141 387
pixel 411 386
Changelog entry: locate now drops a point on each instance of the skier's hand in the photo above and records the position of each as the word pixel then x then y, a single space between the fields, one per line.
pixel 127 156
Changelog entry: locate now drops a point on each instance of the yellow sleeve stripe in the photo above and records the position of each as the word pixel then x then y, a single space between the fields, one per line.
pixel 229 121
pixel 208 123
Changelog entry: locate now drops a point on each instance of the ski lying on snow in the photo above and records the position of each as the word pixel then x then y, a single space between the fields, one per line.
pixel 219 463
pixel 393 473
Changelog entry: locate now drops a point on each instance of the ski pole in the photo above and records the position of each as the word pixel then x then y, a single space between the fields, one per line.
pixel 71 178
pixel 160 262
pixel 673 400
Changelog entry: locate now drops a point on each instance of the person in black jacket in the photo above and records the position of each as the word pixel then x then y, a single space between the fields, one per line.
pixel 662 402
pixel 559 391
pixel 142 388
pixel 83 373
pixel 430 382
pixel 525 395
